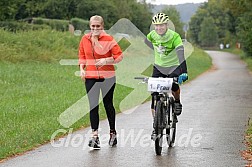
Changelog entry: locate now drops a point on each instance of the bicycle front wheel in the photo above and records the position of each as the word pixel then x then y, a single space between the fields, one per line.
pixel 171 129
pixel 159 127
pixel 159 141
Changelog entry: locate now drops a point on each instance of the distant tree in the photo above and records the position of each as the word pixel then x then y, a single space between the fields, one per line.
pixel 244 32
pixel 137 12
pixel 174 16
pixel 9 8
pixel 208 34
pixel 220 16
pixel 237 8
pixel 221 20
pixel 55 9
pixel 125 10
pixel 30 8
pixel 241 14
pixel 113 10
pixel 195 22
pixel 141 16
pixel 72 8
pixel 88 8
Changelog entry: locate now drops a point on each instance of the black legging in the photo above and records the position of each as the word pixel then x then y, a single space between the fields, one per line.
pixel 107 87
pixel 164 73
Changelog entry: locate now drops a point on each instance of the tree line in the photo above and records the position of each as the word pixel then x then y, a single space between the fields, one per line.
pixel 223 21
pixel 215 22
pixel 111 10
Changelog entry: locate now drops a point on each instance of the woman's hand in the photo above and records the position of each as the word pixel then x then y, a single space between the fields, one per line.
pixel 101 62
pixel 82 74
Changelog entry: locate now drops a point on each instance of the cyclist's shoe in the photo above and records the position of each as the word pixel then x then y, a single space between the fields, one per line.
pixel 177 108
pixel 153 135
pixel 94 143
pixel 113 138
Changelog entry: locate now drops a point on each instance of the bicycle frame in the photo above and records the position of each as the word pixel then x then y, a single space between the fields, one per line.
pixel 164 117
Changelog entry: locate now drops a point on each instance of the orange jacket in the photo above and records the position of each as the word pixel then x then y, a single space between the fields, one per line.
pixel 88 55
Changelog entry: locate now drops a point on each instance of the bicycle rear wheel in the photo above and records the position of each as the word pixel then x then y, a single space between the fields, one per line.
pixel 159 126
pixel 171 129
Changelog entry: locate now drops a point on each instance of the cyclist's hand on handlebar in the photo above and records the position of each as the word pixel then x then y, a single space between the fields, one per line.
pixel 182 78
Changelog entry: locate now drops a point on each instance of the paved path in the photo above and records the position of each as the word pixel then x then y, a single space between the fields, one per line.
pixel 210 130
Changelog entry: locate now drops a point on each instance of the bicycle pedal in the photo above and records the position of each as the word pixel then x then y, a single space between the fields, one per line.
pixel 153 137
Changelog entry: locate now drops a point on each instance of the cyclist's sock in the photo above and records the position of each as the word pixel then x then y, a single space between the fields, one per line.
pixel 177 100
pixel 178 108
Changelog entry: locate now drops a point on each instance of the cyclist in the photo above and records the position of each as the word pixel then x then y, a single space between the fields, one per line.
pixel 169 56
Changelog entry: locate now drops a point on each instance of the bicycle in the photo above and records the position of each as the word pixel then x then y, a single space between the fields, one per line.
pixel 164 117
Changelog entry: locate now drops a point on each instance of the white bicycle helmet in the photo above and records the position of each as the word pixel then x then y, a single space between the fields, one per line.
pixel 160 18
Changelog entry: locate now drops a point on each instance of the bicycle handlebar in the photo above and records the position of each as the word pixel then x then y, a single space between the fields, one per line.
pixel 140 78
pixel 145 79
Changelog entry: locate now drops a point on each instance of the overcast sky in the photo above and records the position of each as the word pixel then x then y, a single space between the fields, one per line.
pixel 174 2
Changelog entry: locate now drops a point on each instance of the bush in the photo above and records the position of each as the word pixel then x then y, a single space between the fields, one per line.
pixel 244 33
pixel 38 21
pixel 14 26
pixel 59 25
pixel 80 24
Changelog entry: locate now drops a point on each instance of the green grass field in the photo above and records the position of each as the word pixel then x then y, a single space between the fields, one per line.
pixel 35 89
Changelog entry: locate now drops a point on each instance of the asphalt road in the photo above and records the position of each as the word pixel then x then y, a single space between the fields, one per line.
pixel 210 130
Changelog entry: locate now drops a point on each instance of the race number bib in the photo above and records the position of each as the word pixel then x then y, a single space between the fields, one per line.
pixel 160 84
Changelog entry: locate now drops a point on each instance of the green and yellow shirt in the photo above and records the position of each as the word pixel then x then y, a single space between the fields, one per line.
pixel 165 47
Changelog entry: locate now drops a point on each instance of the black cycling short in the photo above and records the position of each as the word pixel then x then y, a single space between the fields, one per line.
pixel 163 72
pixel 169 72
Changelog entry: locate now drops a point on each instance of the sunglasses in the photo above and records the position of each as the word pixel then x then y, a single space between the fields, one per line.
pixel 95 26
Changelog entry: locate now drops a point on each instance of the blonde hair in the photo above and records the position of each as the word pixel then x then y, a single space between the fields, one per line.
pixel 97 18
